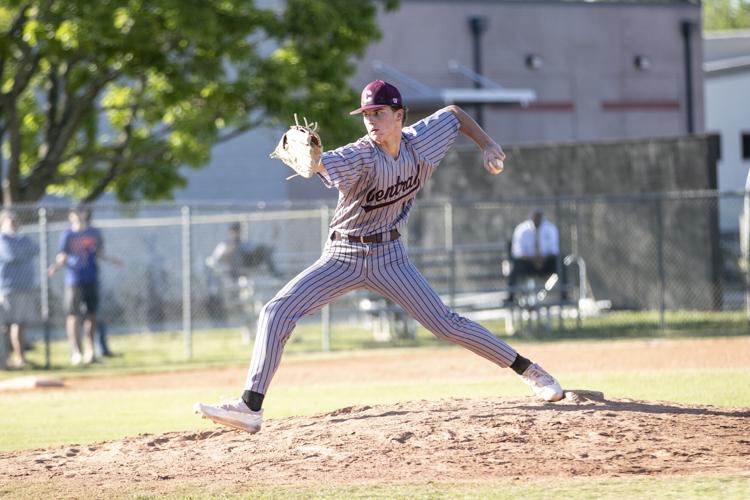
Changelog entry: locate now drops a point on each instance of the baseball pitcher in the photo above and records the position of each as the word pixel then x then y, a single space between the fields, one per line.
pixel 378 178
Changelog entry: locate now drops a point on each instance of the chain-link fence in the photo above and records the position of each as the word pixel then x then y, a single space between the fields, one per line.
pixel 212 266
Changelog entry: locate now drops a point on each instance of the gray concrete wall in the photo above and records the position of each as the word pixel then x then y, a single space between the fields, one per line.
pixel 597 194
pixel 586 168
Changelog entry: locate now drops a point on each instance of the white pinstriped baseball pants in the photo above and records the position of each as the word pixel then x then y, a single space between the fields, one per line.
pixel 383 268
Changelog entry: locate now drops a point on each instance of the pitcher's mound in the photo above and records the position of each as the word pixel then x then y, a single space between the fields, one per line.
pixel 416 441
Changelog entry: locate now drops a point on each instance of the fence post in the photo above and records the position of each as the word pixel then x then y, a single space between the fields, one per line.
pixel 325 314
pixel 559 265
pixel 187 313
pixel 660 261
pixel 44 282
pixel 715 241
pixel 3 352
pixel 574 230
pixel 746 251
pixel 448 229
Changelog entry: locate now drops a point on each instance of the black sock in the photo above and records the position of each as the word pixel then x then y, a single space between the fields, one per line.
pixel 253 400
pixel 520 364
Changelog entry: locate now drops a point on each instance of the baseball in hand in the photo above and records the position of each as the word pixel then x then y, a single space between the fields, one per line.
pixel 494 159
pixel 497 165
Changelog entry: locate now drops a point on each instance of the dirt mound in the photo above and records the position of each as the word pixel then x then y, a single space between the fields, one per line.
pixel 446 440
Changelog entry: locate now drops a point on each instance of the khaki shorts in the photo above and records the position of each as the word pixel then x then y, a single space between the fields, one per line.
pixel 19 307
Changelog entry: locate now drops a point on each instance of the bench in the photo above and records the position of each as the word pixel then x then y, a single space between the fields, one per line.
pixel 535 303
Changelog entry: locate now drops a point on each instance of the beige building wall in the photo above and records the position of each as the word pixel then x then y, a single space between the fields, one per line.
pixel 587 86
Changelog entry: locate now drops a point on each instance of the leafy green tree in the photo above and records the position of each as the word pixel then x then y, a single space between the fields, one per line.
pixel 116 95
pixel 726 14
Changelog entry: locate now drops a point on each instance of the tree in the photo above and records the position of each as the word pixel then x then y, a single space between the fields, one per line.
pixel 116 95
pixel 726 14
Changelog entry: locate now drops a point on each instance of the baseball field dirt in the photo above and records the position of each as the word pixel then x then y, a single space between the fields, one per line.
pixel 586 434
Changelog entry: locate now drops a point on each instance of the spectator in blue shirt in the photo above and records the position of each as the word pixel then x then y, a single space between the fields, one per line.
pixel 81 247
pixel 17 299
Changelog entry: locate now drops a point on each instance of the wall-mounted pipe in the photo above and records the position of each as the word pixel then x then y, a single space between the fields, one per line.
pixel 478 25
pixel 687 31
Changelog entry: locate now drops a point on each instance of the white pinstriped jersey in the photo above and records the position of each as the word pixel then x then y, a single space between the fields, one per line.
pixel 376 191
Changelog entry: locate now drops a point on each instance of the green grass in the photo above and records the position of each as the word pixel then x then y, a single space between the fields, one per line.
pixel 96 415
pixel 646 324
pixel 81 416
pixel 144 352
pixel 53 418
pixel 166 351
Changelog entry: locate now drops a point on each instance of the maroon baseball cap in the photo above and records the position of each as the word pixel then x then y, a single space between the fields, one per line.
pixel 378 94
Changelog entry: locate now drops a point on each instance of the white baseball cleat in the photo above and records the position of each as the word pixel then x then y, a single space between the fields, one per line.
pixel 233 413
pixel 544 385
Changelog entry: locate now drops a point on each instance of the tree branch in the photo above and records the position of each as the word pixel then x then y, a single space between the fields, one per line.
pixel 10 180
pixel 53 101
pixel 2 166
pixel 121 150
pixel 74 109
pixel 27 68
pixel 114 167
pixel 55 115
pixel 239 130
pixel 29 63
pixel 9 109
pixel 15 28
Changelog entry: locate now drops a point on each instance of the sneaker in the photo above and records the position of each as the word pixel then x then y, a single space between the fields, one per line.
pixel 76 358
pixel 233 413
pixel 17 362
pixel 90 357
pixel 542 383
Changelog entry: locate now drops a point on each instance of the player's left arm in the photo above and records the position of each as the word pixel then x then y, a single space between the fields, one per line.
pixel 494 156
pixel 115 261
pixel 103 256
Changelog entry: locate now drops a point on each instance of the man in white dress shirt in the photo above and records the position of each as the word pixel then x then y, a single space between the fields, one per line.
pixel 534 251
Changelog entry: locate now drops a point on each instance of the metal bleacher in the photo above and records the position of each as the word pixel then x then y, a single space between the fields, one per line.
pixel 472 281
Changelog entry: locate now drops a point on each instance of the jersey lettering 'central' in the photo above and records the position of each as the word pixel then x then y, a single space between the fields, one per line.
pixel 377 191
pixel 403 188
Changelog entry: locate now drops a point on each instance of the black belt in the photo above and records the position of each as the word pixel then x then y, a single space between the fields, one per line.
pixel 392 235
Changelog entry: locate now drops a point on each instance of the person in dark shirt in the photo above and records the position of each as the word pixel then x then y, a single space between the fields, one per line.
pixel 81 247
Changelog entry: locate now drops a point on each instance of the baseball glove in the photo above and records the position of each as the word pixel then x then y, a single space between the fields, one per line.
pixel 300 148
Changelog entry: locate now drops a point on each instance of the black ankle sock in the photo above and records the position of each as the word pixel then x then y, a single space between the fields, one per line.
pixel 253 400
pixel 520 364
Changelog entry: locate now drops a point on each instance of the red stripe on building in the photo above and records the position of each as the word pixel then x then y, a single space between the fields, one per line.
pixel 538 106
pixel 664 105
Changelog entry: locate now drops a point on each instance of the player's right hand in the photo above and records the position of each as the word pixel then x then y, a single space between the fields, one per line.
pixel 494 159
